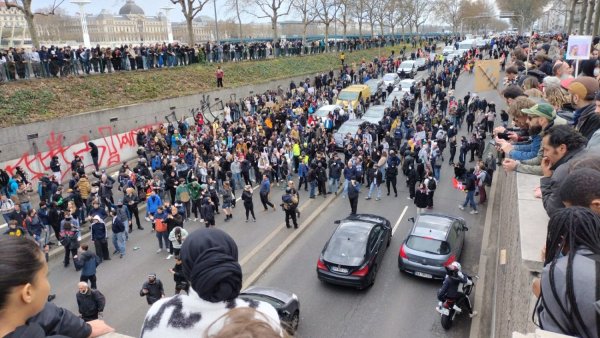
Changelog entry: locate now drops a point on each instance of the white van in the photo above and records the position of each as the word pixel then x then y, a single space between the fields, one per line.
pixel 465 45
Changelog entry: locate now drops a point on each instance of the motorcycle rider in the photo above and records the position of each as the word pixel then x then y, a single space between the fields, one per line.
pixel 454 277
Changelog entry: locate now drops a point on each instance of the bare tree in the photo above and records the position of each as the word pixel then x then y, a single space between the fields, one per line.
pixel 24 6
pixel 419 13
pixel 190 8
pixel 324 11
pixel 371 8
pixel 392 15
pixel 589 17
pixel 449 11
pixel 380 14
pixel 344 14
pixel 273 10
pixel 405 9
pixel 358 12
pixel 303 7
pixel 235 5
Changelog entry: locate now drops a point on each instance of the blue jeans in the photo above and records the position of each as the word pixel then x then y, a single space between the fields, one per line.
pixel 237 180
pixel 26 206
pixel 163 236
pixel 345 190
pixel 333 184
pixel 118 240
pixel 373 187
pixel 313 185
pixel 436 172
pixel 470 200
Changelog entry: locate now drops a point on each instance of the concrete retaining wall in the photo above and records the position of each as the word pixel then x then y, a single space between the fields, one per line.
pixel 32 146
pixel 514 300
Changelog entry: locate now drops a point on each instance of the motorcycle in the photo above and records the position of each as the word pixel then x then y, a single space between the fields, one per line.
pixel 453 307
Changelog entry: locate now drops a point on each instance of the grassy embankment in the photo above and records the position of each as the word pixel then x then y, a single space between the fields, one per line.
pixel 38 100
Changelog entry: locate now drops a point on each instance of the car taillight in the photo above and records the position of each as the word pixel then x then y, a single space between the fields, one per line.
pixel 362 271
pixel 450 260
pixel 402 253
pixel 321 265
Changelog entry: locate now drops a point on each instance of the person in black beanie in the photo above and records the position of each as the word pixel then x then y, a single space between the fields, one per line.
pixel 210 267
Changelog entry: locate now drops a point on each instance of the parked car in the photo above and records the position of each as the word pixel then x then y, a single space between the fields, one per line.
pixel 286 303
pixel 375 86
pixel 324 111
pixel 421 63
pixel 406 84
pixel 407 69
pixel 453 55
pixel 395 94
pixel 391 79
pixel 348 127
pixel 447 50
pixel 354 252
pixel 434 242
pixel 374 114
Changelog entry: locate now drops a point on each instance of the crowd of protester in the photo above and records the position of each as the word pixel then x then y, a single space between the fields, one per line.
pixel 57 61
pixel 188 173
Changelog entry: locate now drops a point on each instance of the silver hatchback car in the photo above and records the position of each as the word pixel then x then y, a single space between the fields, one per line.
pixel 434 242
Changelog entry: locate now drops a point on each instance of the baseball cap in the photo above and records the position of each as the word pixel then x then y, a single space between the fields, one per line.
pixel 542 110
pixel 584 86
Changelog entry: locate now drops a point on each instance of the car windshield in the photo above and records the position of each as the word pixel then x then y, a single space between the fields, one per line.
pixel 348 128
pixel 428 245
pixel 388 77
pixel 322 112
pixel 264 298
pixel 406 65
pixel 347 247
pixel 348 96
pixel 406 85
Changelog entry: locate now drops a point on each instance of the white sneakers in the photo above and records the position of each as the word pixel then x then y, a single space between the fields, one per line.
pixel 169 257
pixel 474 212
pixel 474 314
pixel 159 251
pixel 461 207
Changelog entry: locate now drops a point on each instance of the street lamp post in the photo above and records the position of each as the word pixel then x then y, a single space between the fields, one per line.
pixel 169 29
pixel 84 27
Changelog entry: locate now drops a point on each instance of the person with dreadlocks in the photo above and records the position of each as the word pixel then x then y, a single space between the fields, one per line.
pixel 568 290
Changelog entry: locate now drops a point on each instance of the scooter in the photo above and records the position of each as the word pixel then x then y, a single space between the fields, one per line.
pixel 453 307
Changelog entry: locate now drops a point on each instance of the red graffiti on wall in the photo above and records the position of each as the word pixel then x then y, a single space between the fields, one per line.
pixel 110 146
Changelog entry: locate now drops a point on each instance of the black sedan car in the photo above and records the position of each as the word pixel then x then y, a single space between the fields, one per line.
pixel 353 254
pixel 286 303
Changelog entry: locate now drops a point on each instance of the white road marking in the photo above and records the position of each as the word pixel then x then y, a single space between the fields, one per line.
pixel 399 220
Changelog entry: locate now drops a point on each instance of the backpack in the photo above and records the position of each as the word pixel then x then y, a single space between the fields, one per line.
pixel 488 178
pixel 160 225
pixel 431 185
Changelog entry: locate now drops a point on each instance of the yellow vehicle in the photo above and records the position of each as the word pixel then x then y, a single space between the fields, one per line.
pixel 351 95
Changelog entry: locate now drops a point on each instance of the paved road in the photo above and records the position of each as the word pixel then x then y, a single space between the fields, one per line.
pixel 397 305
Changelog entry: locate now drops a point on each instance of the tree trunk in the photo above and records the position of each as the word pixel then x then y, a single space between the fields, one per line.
pixel 589 17
pixel 372 29
pixel 597 18
pixel 382 30
pixel 571 16
pixel 237 9
pixel 190 28
pixel 274 27
pixel 584 6
pixel 304 32
pixel 360 24
pixel 32 30
pixel 327 37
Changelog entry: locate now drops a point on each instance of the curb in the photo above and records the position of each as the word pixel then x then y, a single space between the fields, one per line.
pixel 288 241
pixel 483 260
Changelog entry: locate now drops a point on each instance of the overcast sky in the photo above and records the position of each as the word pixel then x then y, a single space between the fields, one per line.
pixel 150 7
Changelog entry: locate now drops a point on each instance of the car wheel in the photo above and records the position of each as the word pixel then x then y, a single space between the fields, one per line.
pixel 295 322
pixel 373 275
